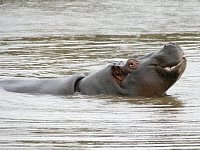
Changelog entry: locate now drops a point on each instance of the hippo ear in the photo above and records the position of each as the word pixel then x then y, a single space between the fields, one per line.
pixel 118 73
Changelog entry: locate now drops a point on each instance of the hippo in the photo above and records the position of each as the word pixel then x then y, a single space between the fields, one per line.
pixel 148 76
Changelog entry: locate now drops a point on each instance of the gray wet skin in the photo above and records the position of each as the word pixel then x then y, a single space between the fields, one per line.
pixel 57 86
pixel 150 75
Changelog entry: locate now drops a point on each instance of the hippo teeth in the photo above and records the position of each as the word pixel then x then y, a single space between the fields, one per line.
pixel 169 68
pixel 175 67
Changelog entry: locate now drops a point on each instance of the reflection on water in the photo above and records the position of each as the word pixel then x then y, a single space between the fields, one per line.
pixel 95 122
pixel 167 101
pixel 59 38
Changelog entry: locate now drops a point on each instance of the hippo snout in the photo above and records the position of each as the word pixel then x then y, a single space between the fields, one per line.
pixel 173 48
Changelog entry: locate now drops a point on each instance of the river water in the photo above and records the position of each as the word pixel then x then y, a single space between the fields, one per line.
pixel 47 39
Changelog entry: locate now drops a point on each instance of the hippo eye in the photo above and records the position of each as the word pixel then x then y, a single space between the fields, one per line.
pixel 133 64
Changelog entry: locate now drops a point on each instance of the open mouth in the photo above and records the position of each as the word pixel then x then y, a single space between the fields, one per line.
pixel 175 68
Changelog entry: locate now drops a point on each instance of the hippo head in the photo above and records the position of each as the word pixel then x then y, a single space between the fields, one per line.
pixel 153 74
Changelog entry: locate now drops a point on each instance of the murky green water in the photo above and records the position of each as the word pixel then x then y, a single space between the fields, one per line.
pixel 60 38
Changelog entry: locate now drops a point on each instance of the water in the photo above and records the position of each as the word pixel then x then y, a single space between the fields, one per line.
pixel 59 38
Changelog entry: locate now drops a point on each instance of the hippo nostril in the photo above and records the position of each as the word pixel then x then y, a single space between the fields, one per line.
pixel 172 43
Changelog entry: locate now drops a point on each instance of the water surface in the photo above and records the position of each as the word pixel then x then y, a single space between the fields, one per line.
pixel 46 39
